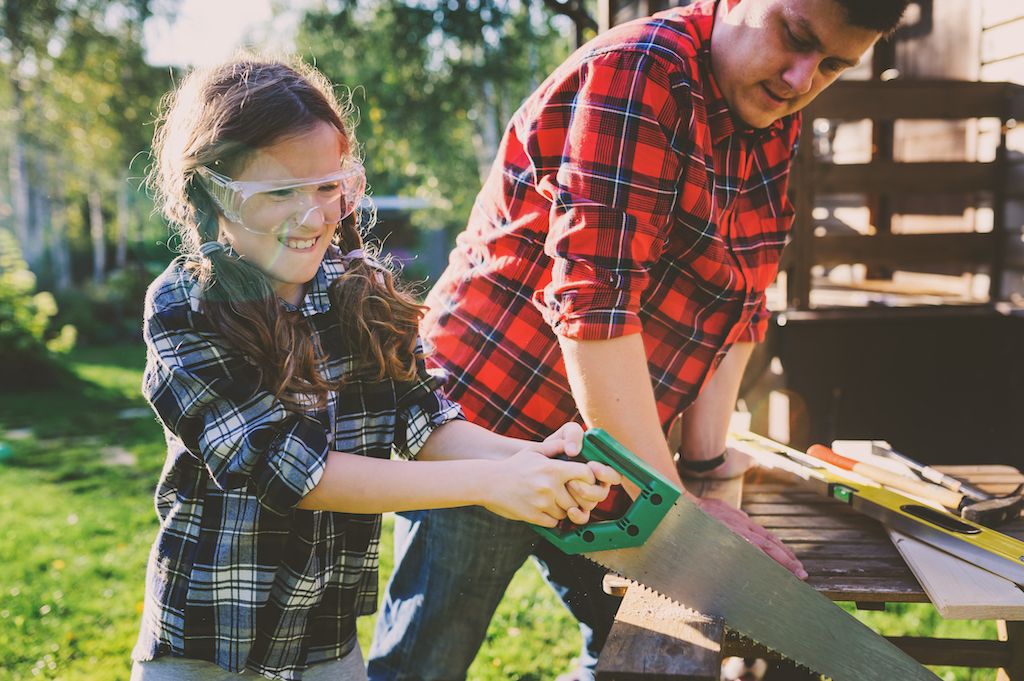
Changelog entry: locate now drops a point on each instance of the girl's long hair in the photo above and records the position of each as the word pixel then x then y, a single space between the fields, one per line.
pixel 218 117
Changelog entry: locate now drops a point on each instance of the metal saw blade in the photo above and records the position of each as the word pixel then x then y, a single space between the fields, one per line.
pixel 698 562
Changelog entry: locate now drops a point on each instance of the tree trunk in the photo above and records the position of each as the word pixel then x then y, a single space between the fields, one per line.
pixel 60 254
pixel 19 186
pixel 38 224
pixel 487 130
pixel 96 231
pixel 123 225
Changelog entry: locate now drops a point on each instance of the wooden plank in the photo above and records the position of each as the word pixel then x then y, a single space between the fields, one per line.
pixel 823 523
pixel 1002 42
pixel 768 508
pixel 995 12
pixel 891 177
pixel 984 472
pixel 800 534
pixel 871 567
pixel 870 589
pixel 823 550
pixel 910 99
pixel 653 638
pixel 798 254
pixel 958 589
pixel 907 250
pixel 959 652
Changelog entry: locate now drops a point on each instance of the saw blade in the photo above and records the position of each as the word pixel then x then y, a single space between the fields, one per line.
pixel 699 563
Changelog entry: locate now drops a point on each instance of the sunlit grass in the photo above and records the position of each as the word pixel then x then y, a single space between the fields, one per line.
pixel 78 522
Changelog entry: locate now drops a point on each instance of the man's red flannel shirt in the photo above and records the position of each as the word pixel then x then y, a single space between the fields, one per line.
pixel 625 198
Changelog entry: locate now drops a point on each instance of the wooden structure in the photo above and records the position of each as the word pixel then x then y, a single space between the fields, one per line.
pixel 889 353
pixel 849 558
pixel 992 184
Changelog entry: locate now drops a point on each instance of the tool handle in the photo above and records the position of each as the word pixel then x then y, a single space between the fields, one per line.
pixel 919 488
pixel 828 456
pixel 938 477
pixel 641 518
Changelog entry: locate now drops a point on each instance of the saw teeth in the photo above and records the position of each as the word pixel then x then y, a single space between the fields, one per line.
pixel 737 632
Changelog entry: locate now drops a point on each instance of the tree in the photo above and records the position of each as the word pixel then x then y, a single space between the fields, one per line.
pixel 435 82
pixel 80 96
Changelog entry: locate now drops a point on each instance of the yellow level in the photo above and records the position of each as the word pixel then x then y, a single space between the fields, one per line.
pixel 988 549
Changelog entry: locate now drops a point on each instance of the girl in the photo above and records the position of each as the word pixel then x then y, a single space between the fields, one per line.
pixel 283 363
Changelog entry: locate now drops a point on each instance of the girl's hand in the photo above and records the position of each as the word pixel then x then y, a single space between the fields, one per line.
pixel 530 486
pixel 587 495
pixel 568 440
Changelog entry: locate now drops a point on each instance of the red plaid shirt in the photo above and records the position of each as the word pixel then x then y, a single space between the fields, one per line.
pixel 625 198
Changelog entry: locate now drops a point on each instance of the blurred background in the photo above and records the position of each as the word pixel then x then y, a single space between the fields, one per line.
pixel 880 287
pixel 434 82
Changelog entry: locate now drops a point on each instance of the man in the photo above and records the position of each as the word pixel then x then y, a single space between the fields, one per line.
pixel 613 271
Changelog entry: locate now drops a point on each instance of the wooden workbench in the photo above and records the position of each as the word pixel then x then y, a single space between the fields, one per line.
pixel 848 557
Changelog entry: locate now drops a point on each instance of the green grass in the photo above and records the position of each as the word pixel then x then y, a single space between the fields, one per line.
pixel 78 526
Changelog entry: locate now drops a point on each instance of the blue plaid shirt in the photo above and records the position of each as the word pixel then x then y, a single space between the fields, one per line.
pixel 238 576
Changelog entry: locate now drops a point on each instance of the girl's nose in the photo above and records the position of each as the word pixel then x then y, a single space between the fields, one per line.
pixel 313 217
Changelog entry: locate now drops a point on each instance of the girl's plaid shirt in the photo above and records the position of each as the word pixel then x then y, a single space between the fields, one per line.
pixel 625 198
pixel 238 576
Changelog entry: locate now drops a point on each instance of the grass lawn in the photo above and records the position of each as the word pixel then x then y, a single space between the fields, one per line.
pixel 77 481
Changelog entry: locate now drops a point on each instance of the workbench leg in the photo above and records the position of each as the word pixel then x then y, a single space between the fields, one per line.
pixel 1012 633
pixel 653 638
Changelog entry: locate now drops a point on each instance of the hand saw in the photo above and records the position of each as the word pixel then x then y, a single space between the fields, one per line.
pixel 994 551
pixel 667 544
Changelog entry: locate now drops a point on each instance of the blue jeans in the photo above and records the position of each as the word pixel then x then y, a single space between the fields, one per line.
pixel 452 567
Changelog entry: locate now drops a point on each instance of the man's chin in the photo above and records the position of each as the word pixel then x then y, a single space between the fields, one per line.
pixel 760 121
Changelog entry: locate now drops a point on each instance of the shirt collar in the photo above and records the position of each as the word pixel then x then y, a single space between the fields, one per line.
pixel 316 300
pixel 721 120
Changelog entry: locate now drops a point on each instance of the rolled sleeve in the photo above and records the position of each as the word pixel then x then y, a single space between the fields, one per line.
pixel 422 408
pixel 212 400
pixel 606 158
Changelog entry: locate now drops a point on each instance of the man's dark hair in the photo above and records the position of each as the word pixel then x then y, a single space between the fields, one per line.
pixel 878 15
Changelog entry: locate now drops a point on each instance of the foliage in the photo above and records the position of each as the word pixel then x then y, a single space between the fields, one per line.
pixel 435 81
pixel 25 349
pixel 109 311
pixel 76 110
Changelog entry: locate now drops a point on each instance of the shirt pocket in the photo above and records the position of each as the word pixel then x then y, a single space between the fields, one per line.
pixel 758 244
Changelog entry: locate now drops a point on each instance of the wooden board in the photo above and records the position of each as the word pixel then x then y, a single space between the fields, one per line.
pixel 653 638
pixel 958 589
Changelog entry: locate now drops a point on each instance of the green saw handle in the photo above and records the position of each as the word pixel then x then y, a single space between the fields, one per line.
pixel 634 527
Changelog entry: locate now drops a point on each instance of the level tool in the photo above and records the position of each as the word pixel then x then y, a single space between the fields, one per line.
pixel 666 543
pixel 982 546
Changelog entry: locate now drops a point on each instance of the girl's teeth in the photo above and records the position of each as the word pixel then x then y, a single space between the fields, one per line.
pixel 292 243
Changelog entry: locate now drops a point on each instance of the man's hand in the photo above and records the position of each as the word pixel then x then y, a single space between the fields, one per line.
pixel 740 523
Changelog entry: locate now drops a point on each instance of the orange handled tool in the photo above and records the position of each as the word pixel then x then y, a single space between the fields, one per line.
pixel 919 488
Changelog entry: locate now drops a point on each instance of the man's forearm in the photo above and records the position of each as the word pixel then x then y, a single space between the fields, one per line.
pixel 611 383
pixel 705 424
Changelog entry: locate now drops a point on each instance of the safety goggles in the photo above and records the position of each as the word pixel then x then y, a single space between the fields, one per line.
pixel 279 206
